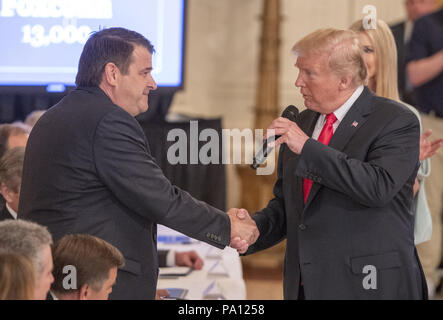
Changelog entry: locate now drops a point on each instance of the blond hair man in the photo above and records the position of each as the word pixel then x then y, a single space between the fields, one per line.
pixel 344 191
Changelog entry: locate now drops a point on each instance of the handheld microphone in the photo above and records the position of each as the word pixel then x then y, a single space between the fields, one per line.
pixel 291 113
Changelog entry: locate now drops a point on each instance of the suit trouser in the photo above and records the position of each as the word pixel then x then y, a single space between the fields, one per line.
pixel 430 251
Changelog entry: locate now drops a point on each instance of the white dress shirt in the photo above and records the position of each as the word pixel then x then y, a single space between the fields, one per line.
pixel 12 212
pixel 340 113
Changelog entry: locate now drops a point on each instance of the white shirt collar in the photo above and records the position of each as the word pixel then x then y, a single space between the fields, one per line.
pixel 54 297
pixel 12 212
pixel 340 113
pixel 409 27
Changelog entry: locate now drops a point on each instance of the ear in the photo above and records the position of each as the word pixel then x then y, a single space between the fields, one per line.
pixel 84 292
pixel 111 74
pixel 5 192
pixel 345 82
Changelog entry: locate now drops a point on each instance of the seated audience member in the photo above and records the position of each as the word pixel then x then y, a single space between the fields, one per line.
pixel 13 135
pixel 16 277
pixel 33 117
pixel 11 166
pixel 171 258
pixel 93 262
pixel 34 242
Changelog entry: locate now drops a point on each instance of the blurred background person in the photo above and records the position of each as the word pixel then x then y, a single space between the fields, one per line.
pixel 16 277
pixel 380 57
pixel 33 117
pixel 11 167
pixel 95 262
pixel 425 62
pixel 425 72
pixel 13 135
pixel 34 242
pixel 402 34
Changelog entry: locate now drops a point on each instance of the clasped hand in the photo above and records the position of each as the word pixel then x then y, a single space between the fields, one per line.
pixel 244 231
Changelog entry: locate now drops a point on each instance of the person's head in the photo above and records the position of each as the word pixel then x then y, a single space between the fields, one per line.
pixel 33 117
pixel 13 135
pixel 34 242
pixel 418 8
pixel 11 167
pixel 380 54
pixel 16 277
pixel 331 67
pixel 119 61
pixel 95 263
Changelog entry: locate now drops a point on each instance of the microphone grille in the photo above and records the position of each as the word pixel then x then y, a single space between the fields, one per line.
pixel 291 113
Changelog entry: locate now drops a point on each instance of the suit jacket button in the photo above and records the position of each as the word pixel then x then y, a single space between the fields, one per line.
pixel 302 227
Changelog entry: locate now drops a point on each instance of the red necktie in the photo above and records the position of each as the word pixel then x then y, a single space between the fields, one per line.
pixel 325 137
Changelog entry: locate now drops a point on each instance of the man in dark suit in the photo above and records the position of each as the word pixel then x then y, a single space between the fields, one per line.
pixel 345 178
pixel 88 168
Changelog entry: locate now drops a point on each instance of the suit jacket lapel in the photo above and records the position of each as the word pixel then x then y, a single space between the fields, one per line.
pixel 354 119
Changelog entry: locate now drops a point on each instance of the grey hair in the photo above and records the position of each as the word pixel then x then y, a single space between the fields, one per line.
pixel 26 238
pixel 33 117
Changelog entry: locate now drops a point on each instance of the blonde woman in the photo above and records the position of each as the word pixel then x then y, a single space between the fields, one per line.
pixel 16 277
pixel 381 61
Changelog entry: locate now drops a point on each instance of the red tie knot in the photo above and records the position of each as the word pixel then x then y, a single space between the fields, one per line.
pixel 331 118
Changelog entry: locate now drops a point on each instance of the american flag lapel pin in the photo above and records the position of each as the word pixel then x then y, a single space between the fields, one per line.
pixel 355 124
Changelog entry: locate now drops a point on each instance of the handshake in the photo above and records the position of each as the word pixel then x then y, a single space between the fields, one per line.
pixel 244 231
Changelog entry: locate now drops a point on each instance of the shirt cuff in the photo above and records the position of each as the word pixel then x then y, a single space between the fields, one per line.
pixel 170 258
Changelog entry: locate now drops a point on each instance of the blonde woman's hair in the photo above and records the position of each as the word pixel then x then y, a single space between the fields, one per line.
pixel 345 55
pixel 16 277
pixel 386 77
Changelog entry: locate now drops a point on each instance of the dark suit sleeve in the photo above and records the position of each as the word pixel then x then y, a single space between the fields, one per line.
pixel 391 160
pixel 271 221
pixel 125 165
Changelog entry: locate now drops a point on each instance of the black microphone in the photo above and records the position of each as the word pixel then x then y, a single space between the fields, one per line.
pixel 291 113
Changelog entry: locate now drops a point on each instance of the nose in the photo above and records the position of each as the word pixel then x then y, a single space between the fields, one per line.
pixel 151 83
pixel 299 82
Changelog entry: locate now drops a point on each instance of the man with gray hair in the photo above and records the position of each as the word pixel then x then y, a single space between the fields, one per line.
pixel 11 167
pixel 34 242
pixel 344 192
